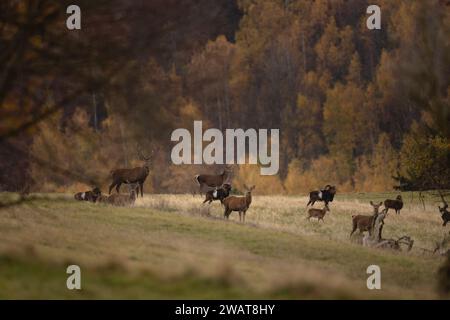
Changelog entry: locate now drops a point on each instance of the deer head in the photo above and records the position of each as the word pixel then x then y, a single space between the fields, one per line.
pixel 376 206
pixel 249 189
pixel 143 157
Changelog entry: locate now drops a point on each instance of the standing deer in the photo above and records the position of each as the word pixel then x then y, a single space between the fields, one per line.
pixel 135 175
pixel 365 223
pixel 236 203
pixel 317 213
pixel 396 204
pixel 214 180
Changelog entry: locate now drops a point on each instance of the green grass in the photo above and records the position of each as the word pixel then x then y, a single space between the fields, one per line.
pixel 170 246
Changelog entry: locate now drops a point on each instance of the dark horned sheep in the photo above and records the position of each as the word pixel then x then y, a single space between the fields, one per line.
pixel 218 193
pixel 445 215
pixel 326 195
pixel 91 195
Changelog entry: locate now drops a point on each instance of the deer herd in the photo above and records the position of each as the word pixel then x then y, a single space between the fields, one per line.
pixel 219 187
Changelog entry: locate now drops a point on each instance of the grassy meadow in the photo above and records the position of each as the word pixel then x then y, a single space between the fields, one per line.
pixel 172 247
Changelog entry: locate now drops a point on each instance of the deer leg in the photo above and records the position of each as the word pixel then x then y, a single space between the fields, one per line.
pixel 118 187
pixel 354 229
pixel 141 185
pixel 112 186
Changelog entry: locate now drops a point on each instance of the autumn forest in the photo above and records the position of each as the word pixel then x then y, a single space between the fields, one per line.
pixel 365 110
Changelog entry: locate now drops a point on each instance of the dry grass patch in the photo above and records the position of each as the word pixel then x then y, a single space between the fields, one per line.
pixel 175 238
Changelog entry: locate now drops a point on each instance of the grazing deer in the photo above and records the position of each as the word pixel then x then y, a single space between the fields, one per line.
pixel 238 203
pixel 396 204
pixel 218 193
pixel 326 195
pixel 445 215
pixel 124 200
pixel 135 175
pixel 91 196
pixel 365 223
pixel 317 213
pixel 214 180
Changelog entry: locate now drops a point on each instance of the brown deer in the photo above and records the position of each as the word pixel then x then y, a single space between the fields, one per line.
pixel 135 175
pixel 214 180
pixel 317 213
pixel 238 203
pixel 396 204
pixel 123 200
pixel 365 223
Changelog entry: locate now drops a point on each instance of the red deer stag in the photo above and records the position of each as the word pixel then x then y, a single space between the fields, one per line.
pixel 135 175
pixel 214 180
pixel 241 204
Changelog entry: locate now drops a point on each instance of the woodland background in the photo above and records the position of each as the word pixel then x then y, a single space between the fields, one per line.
pixel 363 109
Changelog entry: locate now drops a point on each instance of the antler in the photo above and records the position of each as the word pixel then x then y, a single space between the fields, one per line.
pixel 141 155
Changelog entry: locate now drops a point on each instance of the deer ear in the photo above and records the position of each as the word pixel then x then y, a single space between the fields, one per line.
pixel 380 203
pixel 371 202
pixel 253 187
pixel 245 186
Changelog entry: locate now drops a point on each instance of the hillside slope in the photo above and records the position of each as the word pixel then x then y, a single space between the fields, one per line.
pixel 171 247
